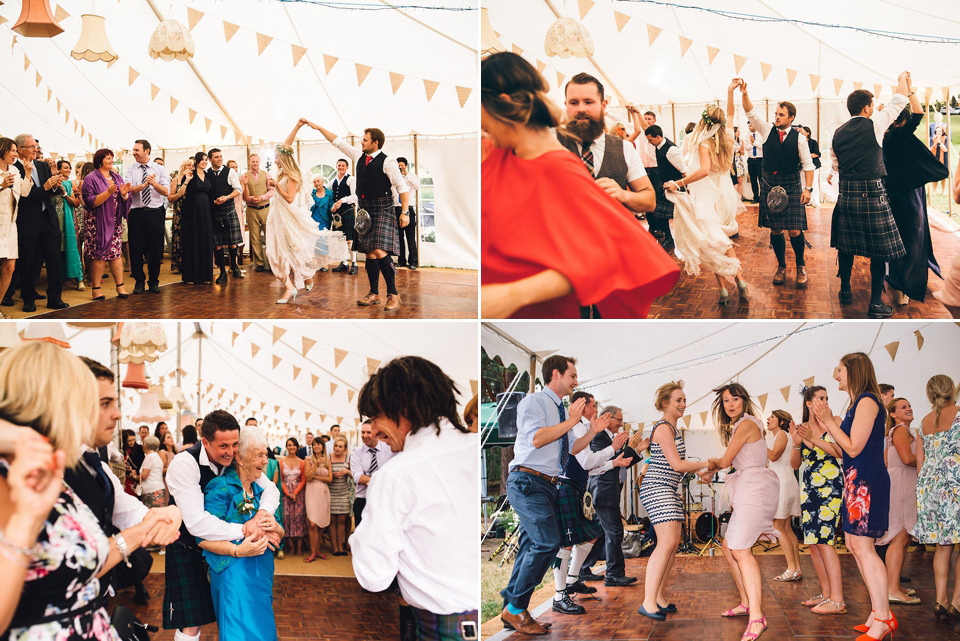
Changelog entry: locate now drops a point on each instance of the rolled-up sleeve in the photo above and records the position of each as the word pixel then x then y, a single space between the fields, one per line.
pixel 183 481
pixel 346 148
pixel 379 539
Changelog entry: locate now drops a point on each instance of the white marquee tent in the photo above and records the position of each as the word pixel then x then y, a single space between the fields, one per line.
pixel 258 67
pixel 292 376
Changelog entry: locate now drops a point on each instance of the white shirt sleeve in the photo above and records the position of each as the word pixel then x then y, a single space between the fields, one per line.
pixel 183 481
pixel 676 159
pixel 413 180
pixel 347 149
pixel 356 465
pixel 270 499
pixel 593 462
pixel 392 170
pixel 762 126
pixel 379 539
pixel 635 169
pixel 883 119
pixel 806 160
pixel 234 179
pixel 127 510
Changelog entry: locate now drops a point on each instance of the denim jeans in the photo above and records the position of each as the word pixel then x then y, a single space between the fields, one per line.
pixel 535 502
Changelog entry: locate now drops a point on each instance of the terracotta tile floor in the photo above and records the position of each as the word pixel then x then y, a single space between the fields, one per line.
pixel 696 296
pixel 702 588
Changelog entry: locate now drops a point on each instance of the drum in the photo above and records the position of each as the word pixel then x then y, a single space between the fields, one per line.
pixel 706 527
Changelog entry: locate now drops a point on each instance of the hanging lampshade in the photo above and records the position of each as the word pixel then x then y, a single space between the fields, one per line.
pixel 140 341
pixel 489 40
pixel 49 332
pixel 136 377
pixel 171 40
pixel 93 44
pixel 566 37
pixel 149 411
pixel 176 395
pixel 36 20
pixel 90 324
pixel 9 336
pixel 165 403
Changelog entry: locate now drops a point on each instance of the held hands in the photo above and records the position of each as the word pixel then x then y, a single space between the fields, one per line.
pixel 705 475
pixel 252 546
pixel 161 526
pixel 734 84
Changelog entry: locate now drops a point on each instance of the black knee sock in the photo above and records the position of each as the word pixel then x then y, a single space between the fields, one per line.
pixel 218 259
pixel 233 258
pixel 846 266
pixel 373 274
pixel 389 274
pixel 779 248
pixel 878 269
pixel 797 242
pixel 665 228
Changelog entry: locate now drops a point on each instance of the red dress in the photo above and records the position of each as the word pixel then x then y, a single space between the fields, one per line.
pixel 548 213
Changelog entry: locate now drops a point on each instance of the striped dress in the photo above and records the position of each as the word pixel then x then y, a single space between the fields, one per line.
pixel 659 492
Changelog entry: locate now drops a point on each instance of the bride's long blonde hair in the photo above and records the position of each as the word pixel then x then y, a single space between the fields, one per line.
pixel 719 144
pixel 288 165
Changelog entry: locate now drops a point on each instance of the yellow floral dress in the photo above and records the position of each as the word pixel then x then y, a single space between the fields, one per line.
pixel 821 496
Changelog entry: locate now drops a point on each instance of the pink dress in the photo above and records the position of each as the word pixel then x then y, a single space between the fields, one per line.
pixel 903 490
pixel 318 500
pixel 294 512
pixel 754 492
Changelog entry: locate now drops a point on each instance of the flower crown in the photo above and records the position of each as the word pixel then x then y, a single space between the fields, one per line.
pixel 707 119
pixel 283 150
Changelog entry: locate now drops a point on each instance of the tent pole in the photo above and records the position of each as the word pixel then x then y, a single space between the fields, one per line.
pixel 115 366
pixel 929 189
pixel 533 372
pixel 199 372
pixel 818 117
pixel 179 408
pixel 949 170
pixel 298 152
pixel 766 102
pixel 416 195
pixel 673 118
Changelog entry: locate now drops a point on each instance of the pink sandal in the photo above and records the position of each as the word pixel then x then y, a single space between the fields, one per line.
pixel 749 636
pixel 731 612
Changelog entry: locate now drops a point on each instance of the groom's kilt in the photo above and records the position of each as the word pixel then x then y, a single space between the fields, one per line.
pixel 463 626
pixel 384 234
pixel 664 210
pixel 226 225
pixel 794 217
pixel 863 222
pixel 186 598
pixel 575 528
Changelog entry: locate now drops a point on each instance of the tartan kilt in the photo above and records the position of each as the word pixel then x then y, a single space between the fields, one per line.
pixel 447 627
pixel 187 601
pixel 664 209
pixel 385 234
pixel 863 222
pixel 794 217
pixel 226 225
pixel 575 528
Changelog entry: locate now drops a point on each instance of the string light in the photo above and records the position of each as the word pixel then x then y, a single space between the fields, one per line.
pixel 378 7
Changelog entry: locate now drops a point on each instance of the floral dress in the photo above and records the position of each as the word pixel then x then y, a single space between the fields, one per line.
pixel 866 483
pixel 938 488
pixel 821 496
pixel 59 594
pixel 176 253
pixel 294 510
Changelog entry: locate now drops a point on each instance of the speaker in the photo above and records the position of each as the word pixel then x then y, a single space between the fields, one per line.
pixel 507 425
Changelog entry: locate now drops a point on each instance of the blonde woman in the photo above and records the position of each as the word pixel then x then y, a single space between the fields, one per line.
pixel 706 214
pixel 340 503
pixel 319 474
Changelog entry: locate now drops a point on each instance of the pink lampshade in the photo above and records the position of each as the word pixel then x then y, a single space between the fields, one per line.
pixel 136 377
pixel 149 411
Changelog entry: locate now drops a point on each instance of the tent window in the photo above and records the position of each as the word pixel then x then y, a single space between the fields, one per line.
pixel 428 229
pixel 326 171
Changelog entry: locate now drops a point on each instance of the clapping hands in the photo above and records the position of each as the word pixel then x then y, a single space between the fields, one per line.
pixel 576 410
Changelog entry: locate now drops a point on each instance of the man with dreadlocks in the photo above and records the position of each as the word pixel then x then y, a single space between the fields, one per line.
pixel 419 526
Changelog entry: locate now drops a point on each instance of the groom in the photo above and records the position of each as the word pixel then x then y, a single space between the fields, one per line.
pixel 376 173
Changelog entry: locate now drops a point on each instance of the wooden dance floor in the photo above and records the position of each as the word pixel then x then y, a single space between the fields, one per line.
pixel 425 293
pixel 306 608
pixel 702 588
pixel 696 297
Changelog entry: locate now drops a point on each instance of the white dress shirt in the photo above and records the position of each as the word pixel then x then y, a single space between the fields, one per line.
pixel 420 523
pixel 595 463
pixel 756 145
pixel 360 460
pixel 414 183
pixel 635 168
pixel 134 178
pixel 648 153
pixel 352 183
pixel 183 482
pixel 127 510
pixel 763 128
pixel 882 119
pixel 390 166
pixel 674 157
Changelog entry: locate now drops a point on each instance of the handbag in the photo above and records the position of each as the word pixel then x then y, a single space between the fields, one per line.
pixel 363 223
pixel 128 626
pixel 777 200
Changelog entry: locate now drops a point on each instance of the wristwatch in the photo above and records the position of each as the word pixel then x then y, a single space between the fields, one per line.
pixel 810 189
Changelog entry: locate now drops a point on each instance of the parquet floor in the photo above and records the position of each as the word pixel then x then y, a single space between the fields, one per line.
pixel 702 588
pixel 697 296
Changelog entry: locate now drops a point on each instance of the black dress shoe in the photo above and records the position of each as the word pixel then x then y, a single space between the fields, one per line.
pixel 342 267
pixel 879 310
pixel 619 581
pixel 155 288
pixel 846 296
pixel 237 272
pixel 138 288
pixel 142 598
pixel 258 268
pixel 566 606
pixel 7 301
pixel 590 576
pixel 579 587
pixel 40 296
pixel 221 279
pixel 670 608
pixel 58 304
pixel 412 268
pixel 29 306
pixel 353 269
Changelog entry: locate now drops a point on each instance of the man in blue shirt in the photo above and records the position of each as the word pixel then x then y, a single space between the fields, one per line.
pixel 541 452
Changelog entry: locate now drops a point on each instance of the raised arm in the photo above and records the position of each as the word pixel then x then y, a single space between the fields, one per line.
pixel 731 108
pixel 293 134
pixel 502 300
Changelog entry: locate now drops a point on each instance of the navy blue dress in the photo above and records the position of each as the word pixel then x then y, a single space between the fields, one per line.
pixel 866 484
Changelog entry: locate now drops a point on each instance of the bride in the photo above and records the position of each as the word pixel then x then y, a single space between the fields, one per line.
pixel 296 247
pixel 703 213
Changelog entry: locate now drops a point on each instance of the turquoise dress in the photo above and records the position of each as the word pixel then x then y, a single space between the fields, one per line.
pixel 320 211
pixel 70 267
pixel 242 588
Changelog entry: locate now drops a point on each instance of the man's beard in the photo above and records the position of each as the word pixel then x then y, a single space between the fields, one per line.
pixel 588 129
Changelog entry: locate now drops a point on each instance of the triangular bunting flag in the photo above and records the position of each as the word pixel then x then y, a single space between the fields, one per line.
pixel 278 333
pixel 837 85
pixel 878 88
pixel 292 412
pixel 762 399
pixel 173 104
pixel 765 69
pixel 132 75
pixel 276 409
pixel 396 79
pixel 622 20
pixel 328 62
pixel 431 88
pixel 892 349
pixel 686 421
pixel 560 78
pixel 339 420
pixel 338 356
pixel 61 14
pixel 307 415
pixel 919 339
pixel 49 93
pixel 517 50
pixel 814 81
pixel 26 62
pixel 308 344
pixel 193 17
pixel 585 6
pixel 785 390
pixel 223 132
pixel 808 382
pixel 541 65
pixel 110 63
pixel 703 418
pixel 711 53
pixel 298 52
pixel 362 71
pixel 653 33
pixel 58 105
pixel 474 385
pixel 296 372
pixel 154 90
pixel 350 394
pixel 314 379
pixel 263 41
pixel 208 123
pixel 738 62
pixel 193 114
pixel 233 343
pixel 39 79
pixel 276 361
pixel 229 30
pixel 857 86
pixel 684 45
pixel 372 365
pixel 245 325
pixel 262 405
pixel 333 388
pixel 463 93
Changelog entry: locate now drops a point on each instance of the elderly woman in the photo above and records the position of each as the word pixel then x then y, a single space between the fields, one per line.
pixel 53 553
pixel 241 573
pixel 106 199
pixel 153 492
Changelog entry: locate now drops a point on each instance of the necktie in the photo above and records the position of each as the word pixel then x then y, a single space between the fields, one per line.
pixel 93 460
pixel 373 462
pixel 369 158
pixel 564 441
pixel 587 158
pixel 145 194
pixel 782 133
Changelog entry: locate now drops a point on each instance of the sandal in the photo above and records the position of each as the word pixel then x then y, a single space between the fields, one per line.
pixel 815 601
pixel 840 605
pixel 749 636
pixel 121 294
pixel 732 612
pixel 789 576
pixel 100 297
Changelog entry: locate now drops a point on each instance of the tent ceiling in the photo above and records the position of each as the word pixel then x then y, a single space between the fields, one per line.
pixel 657 73
pixel 262 93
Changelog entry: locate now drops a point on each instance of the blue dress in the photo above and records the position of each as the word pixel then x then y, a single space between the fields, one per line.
pixel 242 588
pixel 866 483
pixel 320 211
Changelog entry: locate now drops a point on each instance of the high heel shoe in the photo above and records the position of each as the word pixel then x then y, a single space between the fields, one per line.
pixel 724 296
pixel 100 297
pixel 863 627
pixel 123 295
pixel 309 287
pixel 953 612
pixel 750 636
pixel 291 298
pixel 742 286
pixel 891 624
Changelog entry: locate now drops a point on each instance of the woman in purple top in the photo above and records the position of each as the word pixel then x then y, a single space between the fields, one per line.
pixel 106 199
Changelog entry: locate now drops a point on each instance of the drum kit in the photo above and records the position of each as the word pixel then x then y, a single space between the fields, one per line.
pixel 700 525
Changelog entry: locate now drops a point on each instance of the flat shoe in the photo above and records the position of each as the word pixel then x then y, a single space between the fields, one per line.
pixel 657 616
pixel 910 600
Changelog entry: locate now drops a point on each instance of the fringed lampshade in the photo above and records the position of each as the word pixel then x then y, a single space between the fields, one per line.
pixel 566 37
pixel 165 403
pixel 171 40
pixel 149 411
pixel 93 44
pixel 46 331
pixel 36 20
pixel 140 342
pixel 136 377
